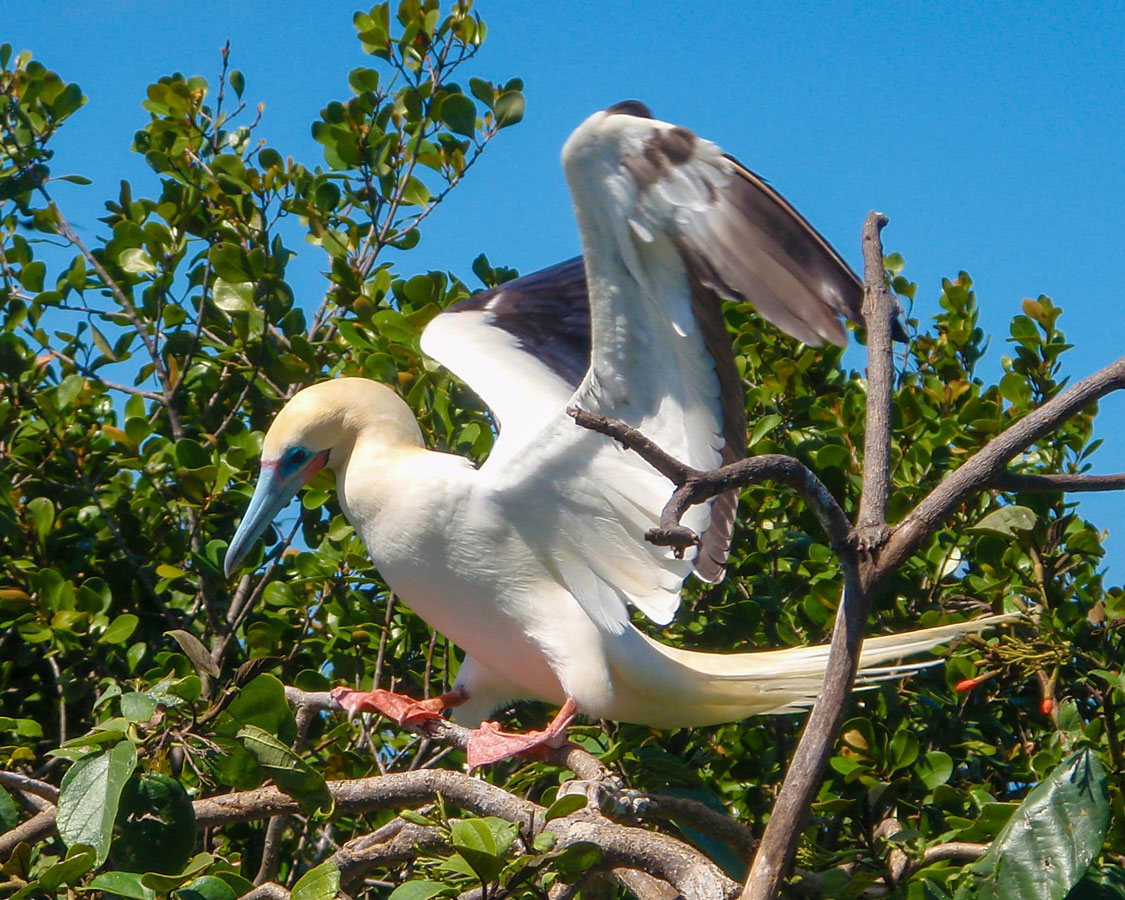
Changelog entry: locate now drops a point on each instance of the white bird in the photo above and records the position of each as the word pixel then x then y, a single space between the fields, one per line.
pixel 532 562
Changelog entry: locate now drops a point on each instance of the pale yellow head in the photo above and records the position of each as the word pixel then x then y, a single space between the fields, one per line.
pixel 320 427
pixel 332 414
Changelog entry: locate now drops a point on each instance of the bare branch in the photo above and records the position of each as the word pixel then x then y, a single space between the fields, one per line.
pixel 1011 481
pixel 878 314
pixel 35 829
pixel 18 782
pixel 636 807
pixel 630 438
pixel 689 872
pixel 271 890
pixel 779 840
pixel 694 486
pixel 396 842
pixel 986 466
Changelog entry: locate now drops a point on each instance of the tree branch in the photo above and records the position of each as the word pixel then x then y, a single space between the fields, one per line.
pixel 878 315
pixel 694 486
pixel 783 831
pixel 1012 481
pixel 35 829
pixel 986 467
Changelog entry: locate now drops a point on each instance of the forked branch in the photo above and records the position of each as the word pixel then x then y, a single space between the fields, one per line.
pixel 869 552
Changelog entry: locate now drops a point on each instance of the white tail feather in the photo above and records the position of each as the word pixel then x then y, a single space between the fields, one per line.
pixel 667 687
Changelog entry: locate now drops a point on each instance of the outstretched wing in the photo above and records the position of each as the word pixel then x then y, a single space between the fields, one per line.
pixel 670 228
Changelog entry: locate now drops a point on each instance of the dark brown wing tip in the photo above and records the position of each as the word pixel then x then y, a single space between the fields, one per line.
pixel 629 108
pixel 714 545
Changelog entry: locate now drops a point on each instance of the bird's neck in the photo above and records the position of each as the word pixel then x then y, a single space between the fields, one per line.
pixel 390 487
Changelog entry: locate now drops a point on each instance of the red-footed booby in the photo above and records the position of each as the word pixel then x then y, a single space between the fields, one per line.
pixel 532 562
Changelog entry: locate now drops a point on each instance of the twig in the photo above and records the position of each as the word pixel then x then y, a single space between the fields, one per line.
pixel 694 486
pixel 19 782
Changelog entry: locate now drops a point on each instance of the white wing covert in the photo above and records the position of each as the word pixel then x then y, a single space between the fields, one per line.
pixel 523 346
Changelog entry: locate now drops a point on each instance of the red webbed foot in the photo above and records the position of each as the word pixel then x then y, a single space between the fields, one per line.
pixel 397 707
pixel 488 744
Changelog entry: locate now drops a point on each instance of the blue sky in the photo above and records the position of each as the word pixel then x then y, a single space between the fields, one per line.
pixel 991 134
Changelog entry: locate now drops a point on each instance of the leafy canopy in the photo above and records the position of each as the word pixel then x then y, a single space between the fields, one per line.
pixel 139 371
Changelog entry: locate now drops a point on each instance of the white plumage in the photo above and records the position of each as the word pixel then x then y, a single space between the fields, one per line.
pixel 531 563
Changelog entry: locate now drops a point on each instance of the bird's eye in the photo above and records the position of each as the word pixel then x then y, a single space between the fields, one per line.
pixel 295 456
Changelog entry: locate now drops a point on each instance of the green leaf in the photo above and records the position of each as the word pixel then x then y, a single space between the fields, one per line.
pixel 1051 838
pixel 162 883
pixel 195 651
pixel 137 706
pixel 42 512
pixel 935 768
pixel 120 629
pixel 509 109
pixel 262 703
pixel 89 796
pixel 762 427
pixel 79 860
pixel 233 297
pixel 564 806
pixel 9 813
pixel 207 887
pixel 473 839
pixel 135 260
pixel 32 275
pixel 415 193
pixel 157 823
pixel 1015 389
pixel 460 114
pixel 291 773
pixel 1006 521
pixel 419 890
pixel 191 454
pixel 237 82
pixel 321 883
pixel 102 344
pixel 123 884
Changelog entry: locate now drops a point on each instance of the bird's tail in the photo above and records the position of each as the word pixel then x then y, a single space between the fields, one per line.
pixel 668 687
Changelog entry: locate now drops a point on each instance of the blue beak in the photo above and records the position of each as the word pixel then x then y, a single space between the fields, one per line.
pixel 274 491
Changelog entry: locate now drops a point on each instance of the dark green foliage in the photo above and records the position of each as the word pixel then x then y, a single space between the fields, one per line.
pixel 137 376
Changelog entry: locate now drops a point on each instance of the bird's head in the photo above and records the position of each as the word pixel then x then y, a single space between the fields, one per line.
pixel 318 428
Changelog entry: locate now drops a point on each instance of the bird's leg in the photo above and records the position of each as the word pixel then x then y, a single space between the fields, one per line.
pixel 398 707
pixel 488 744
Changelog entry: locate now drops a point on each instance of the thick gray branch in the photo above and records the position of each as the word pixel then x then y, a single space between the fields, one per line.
pixel 393 791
